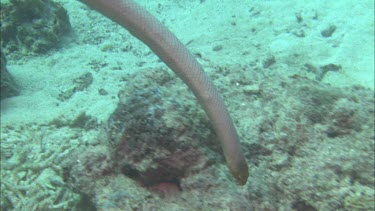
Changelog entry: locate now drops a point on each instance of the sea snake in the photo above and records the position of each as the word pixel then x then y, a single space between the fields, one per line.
pixel 176 56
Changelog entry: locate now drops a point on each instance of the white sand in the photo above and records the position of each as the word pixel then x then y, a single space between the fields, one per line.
pixel 205 25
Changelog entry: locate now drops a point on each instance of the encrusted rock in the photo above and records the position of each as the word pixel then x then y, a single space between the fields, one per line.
pixel 32 25
pixel 157 133
pixel 8 86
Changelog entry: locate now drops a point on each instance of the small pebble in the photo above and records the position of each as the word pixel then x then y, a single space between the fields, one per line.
pixel 328 31
pixel 103 92
pixel 217 48
pixel 251 89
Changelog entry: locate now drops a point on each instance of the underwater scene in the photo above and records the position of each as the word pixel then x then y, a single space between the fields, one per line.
pixel 187 105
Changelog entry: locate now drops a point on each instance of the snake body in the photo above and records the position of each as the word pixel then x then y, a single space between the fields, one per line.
pixel 177 57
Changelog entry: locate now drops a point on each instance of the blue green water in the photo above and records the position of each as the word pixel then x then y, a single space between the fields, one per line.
pixel 92 119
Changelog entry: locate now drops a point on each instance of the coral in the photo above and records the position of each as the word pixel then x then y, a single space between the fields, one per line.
pixel 32 25
pixel 310 167
pixel 156 153
pixel 150 140
pixel 152 135
pixel 31 178
pixel 85 170
pixel 361 199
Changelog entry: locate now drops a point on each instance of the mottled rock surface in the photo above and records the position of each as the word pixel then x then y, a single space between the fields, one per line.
pixel 34 26
pixel 8 86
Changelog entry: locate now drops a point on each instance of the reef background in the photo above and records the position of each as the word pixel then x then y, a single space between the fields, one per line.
pixel 298 79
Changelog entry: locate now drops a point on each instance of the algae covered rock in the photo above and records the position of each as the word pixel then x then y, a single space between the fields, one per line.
pixel 32 25
pixel 153 133
pixel 7 84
